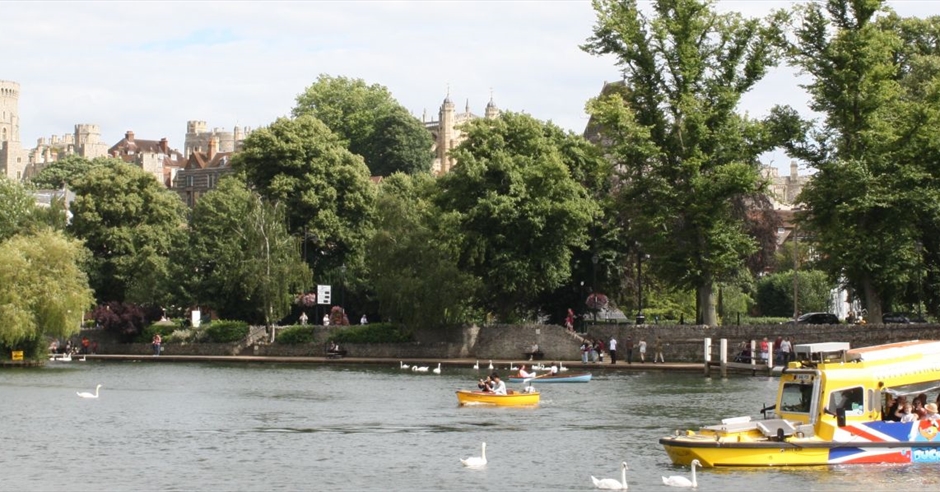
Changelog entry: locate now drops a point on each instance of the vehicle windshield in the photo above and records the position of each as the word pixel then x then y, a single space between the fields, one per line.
pixel 796 397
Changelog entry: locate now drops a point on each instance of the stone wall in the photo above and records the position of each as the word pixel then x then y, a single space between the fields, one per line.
pixel 682 343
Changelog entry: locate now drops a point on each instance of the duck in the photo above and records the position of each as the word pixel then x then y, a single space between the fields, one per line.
pixel 680 481
pixel 437 370
pixel 612 483
pixel 402 365
pixel 476 461
pixel 85 394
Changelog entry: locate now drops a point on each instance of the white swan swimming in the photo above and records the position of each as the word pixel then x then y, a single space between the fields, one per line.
pixel 420 369
pixel 612 483
pixel 85 394
pixel 477 366
pixel 491 364
pixel 476 461
pixel 403 365
pixel 561 366
pixel 512 366
pixel 680 481
pixel 437 370
pixel 66 358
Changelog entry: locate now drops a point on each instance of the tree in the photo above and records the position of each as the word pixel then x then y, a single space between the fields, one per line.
pixel 18 206
pixel 131 224
pixel 413 258
pixel 370 122
pixel 245 264
pixel 326 189
pixel 873 189
pixel 65 171
pixel 516 210
pixel 43 291
pixel 685 154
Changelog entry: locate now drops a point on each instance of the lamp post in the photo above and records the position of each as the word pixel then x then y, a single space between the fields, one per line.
pixel 640 319
pixel 581 296
pixel 594 260
pixel 796 269
pixel 342 299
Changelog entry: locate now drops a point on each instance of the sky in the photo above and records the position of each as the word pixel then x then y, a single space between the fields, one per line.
pixel 150 67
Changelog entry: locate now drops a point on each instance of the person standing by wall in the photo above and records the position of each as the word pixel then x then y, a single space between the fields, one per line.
pixel 642 351
pixel 585 350
pixel 658 354
pixel 569 320
pixel 157 341
pixel 628 347
pixel 612 348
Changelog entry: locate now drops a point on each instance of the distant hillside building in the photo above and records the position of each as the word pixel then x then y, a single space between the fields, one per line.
pixel 85 142
pixel 446 133
pixel 783 190
pixel 13 158
pixel 198 137
pixel 154 156
pixel 202 172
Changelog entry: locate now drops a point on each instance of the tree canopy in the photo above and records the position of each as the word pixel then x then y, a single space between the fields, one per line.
pixel 370 122
pixel 685 155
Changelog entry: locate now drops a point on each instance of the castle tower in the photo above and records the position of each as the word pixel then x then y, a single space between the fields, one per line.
pixel 12 156
pixel 492 112
pixel 446 134
pixel 88 142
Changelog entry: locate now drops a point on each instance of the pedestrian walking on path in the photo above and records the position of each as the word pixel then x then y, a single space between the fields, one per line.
pixel 612 348
pixel 658 351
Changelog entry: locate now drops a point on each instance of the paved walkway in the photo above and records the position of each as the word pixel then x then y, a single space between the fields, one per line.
pixel 501 365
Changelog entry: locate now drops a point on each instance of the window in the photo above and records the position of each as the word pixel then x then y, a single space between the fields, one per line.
pixel 796 398
pixel 850 399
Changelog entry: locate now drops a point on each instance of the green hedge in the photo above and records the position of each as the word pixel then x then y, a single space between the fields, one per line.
pixel 164 329
pixel 226 331
pixel 373 333
pixel 293 335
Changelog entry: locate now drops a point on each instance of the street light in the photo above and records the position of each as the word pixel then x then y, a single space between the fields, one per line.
pixel 579 308
pixel 796 268
pixel 594 260
pixel 342 299
pixel 640 319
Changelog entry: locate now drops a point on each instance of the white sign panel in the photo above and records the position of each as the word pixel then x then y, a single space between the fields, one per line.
pixel 323 294
pixel 196 318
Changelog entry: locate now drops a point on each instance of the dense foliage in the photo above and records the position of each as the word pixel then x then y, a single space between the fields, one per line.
pixel 226 331
pixel 373 333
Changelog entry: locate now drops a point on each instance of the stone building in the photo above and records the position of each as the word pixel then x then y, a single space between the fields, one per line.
pixel 13 158
pixel 447 134
pixel 154 156
pixel 198 137
pixel 783 190
pixel 202 172
pixel 85 142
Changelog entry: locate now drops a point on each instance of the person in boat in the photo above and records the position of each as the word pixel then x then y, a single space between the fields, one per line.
pixel 554 369
pixel 888 408
pixel 525 374
pixel 897 409
pixel 486 385
pixel 932 414
pixel 907 414
pixel 499 387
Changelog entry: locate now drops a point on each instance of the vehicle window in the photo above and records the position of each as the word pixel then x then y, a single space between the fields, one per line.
pixel 850 399
pixel 796 398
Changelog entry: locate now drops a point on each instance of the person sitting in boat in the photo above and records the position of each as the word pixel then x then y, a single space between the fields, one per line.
pixel 932 414
pixel 896 411
pixel 486 385
pixel 525 374
pixel 499 387
pixel 907 413
pixel 554 369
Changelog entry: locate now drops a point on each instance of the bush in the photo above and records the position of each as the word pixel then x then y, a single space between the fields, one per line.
pixel 163 328
pixel 226 331
pixel 294 335
pixel 373 333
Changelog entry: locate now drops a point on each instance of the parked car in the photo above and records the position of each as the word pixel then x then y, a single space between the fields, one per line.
pixel 817 319
pixel 902 318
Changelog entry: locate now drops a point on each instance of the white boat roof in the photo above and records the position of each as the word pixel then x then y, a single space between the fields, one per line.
pixel 823 347
pixel 895 350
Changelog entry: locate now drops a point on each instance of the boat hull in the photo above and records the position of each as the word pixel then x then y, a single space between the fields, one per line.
pixel 561 378
pixel 515 399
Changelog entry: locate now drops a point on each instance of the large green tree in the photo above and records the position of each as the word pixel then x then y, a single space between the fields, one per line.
pixel 65 171
pixel 516 209
pixel 300 163
pixel 874 149
pixel 688 158
pixel 132 225
pixel 245 263
pixel 43 291
pixel 17 208
pixel 413 258
pixel 370 122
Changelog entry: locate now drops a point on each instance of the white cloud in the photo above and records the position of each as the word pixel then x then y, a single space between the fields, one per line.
pixel 151 66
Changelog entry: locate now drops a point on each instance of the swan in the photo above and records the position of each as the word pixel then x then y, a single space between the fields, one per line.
pixel 402 365
pixel 420 369
pixel 67 357
pixel 512 366
pixel 476 461
pixel 612 483
pixel 491 364
pixel 680 481
pixel 477 366
pixel 561 366
pixel 437 370
pixel 85 394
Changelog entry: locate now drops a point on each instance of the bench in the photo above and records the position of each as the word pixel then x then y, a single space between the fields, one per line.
pixel 539 355
pixel 335 354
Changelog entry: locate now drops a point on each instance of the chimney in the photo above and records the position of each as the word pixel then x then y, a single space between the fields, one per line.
pixel 129 136
pixel 164 146
pixel 213 147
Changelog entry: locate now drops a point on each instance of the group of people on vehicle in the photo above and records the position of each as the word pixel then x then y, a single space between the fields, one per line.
pixel 899 409
pixel 492 384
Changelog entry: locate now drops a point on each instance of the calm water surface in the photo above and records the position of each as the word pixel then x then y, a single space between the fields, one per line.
pixel 288 427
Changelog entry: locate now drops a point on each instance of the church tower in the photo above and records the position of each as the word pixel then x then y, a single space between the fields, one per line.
pixel 446 136
pixel 12 155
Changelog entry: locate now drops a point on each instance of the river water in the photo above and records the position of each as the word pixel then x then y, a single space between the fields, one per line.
pixel 267 427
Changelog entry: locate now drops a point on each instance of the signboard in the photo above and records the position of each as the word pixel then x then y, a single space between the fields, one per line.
pixel 197 318
pixel 17 355
pixel 323 294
